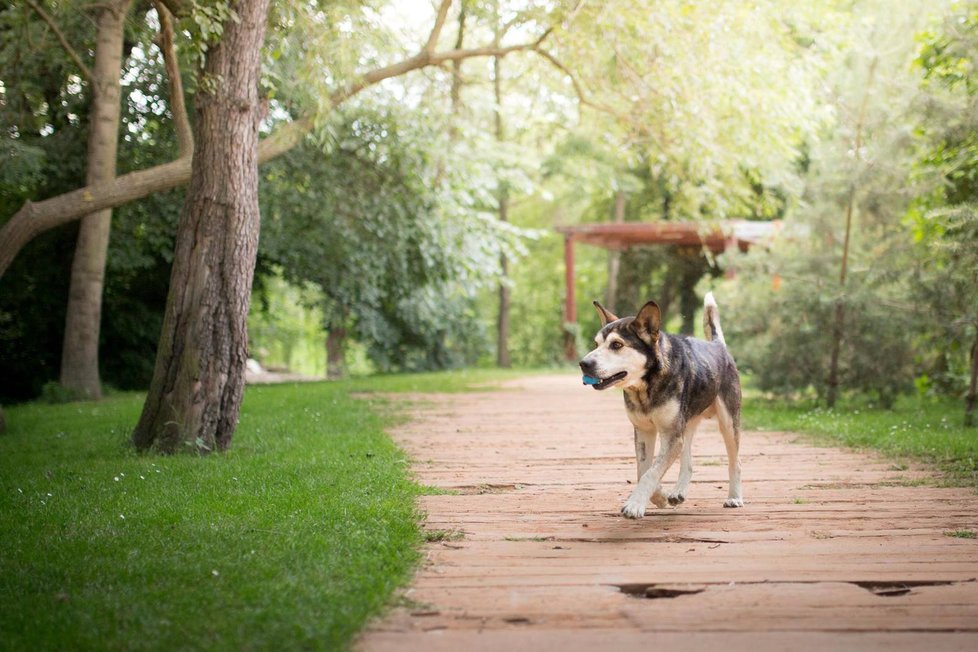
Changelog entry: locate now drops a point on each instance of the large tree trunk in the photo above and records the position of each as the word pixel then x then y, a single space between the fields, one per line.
pixel 195 395
pixel 79 353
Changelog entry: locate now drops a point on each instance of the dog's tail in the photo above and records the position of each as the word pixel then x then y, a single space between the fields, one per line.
pixel 711 320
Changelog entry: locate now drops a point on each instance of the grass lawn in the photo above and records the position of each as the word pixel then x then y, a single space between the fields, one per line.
pixel 291 540
pixel 924 428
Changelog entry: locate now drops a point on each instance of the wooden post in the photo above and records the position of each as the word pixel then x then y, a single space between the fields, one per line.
pixel 570 305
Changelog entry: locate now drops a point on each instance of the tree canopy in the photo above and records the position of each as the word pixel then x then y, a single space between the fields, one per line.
pixel 391 137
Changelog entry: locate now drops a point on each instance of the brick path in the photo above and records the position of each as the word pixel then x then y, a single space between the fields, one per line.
pixel 835 549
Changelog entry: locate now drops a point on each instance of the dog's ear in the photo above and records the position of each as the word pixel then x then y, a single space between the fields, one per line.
pixel 647 322
pixel 606 316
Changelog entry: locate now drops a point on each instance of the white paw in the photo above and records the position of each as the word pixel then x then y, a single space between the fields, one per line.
pixel 733 502
pixel 633 508
pixel 659 500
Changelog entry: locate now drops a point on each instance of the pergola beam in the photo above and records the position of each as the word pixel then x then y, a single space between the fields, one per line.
pixel 717 237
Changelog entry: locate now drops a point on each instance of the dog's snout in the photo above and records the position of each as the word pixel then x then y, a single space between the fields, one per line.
pixel 587 366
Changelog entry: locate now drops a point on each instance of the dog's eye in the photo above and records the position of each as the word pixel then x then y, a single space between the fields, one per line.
pixel 614 346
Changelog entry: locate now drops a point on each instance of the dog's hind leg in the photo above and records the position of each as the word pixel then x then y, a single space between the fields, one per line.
pixel 649 484
pixel 678 494
pixel 730 428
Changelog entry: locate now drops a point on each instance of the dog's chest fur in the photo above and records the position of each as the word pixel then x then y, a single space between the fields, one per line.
pixel 681 383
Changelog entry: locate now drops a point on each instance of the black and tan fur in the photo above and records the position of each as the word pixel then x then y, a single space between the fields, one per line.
pixel 671 383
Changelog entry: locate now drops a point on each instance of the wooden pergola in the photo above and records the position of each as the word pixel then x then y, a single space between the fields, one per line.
pixel 717 237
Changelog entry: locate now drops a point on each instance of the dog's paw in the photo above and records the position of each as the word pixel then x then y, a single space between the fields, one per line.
pixel 633 508
pixel 677 499
pixel 660 500
pixel 733 502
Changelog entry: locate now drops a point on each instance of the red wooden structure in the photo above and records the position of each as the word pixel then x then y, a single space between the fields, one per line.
pixel 715 236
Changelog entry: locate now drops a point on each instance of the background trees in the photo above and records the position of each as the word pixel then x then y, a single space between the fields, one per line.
pixel 382 190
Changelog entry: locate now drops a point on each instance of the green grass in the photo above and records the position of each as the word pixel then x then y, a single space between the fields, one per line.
pixel 962 534
pixel 922 428
pixel 291 540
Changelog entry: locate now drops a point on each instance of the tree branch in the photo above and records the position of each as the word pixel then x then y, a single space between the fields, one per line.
pixel 35 218
pixel 439 23
pixel 85 70
pixel 176 7
pixel 178 106
pixel 585 100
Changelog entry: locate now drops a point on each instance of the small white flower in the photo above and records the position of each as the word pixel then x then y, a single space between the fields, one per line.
pixel 122 517
pixel 116 478
pixel 215 573
pixel 142 477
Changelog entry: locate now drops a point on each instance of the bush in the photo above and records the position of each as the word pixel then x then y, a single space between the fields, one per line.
pixel 779 315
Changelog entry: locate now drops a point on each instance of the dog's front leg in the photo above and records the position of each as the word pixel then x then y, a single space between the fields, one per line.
pixel 649 483
pixel 644 449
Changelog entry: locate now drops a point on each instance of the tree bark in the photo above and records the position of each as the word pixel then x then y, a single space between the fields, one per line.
pixel 614 256
pixel 79 353
pixel 335 356
pixel 195 396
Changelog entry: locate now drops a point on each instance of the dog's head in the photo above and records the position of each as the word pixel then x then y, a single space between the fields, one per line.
pixel 627 348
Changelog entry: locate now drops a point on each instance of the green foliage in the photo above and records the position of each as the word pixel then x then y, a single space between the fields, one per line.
pixel 778 319
pixel 285 326
pixel 300 533
pixel 54 392
pixel 368 218
pixel 714 122
pixel 44 123
pixel 783 312
pixel 946 219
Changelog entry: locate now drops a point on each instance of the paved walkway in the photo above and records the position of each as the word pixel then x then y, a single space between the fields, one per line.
pixel 835 549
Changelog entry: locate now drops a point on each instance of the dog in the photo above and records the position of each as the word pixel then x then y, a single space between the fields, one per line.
pixel 671 383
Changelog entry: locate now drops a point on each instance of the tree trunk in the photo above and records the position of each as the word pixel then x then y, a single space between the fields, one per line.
pixel 455 94
pixel 971 399
pixel 502 322
pixel 839 316
pixel 839 311
pixel 79 353
pixel 195 395
pixel 690 273
pixel 335 355
pixel 614 256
